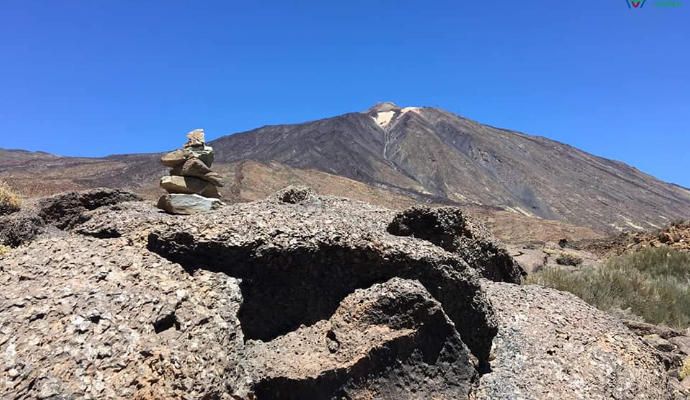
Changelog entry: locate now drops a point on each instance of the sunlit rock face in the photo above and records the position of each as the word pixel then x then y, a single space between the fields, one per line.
pixel 297 296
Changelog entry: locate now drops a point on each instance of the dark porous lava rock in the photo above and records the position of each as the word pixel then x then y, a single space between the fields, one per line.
pixel 68 210
pixel 311 299
pixel 390 341
pixel 59 212
pixel 451 229
pixel 295 195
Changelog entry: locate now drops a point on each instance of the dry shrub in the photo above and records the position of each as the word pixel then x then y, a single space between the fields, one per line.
pixel 9 200
pixel 568 259
pixel 653 283
pixel 4 250
pixel 685 369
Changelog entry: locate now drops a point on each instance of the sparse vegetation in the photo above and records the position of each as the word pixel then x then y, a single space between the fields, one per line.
pixel 9 200
pixel 685 369
pixel 568 259
pixel 3 250
pixel 653 283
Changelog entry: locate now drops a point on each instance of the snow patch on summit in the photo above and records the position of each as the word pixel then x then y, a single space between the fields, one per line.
pixel 384 118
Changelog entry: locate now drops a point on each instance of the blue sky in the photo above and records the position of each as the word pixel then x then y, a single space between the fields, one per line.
pixel 113 76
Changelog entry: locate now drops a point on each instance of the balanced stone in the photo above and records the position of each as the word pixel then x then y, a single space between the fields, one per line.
pixel 203 153
pixel 195 138
pixel 175 158
pixel 186 204
pixel 188 185
pixel 178 157
pixel 196 168
pixel 192 185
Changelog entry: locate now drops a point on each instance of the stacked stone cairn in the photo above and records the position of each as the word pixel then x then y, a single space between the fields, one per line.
pixel 192 186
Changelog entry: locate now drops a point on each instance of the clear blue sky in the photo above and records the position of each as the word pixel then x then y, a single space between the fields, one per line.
pixel 113 76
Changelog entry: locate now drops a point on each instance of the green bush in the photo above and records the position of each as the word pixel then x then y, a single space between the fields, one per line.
pixel 568 259
pixel 653 283
pixel 9 201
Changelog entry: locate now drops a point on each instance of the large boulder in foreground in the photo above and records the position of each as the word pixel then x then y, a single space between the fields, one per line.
pixel 310 299
pixel 90 318
pixel 552 345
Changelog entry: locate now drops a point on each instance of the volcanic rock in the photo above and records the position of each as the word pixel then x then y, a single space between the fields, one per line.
pixel 20 227
pixel 286 256
pixel 195 138
pixel 296 195
pixel 188 185
pixel 450 229
pixel 90 318
pixel 63 211
pixel 187 203
pixel 196 168
pixel 191 175
pixel 390 341
pixel 274 300
pixel 551 345
pixel 68 210
pixel 177 158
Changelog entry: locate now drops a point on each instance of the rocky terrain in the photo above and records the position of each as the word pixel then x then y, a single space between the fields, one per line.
pixel 297 296
pixel 253 180
pixel 676 236
pixel 394 157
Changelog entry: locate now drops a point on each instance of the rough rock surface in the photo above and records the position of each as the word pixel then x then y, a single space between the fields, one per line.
pixel 450 229
pixel 280 300
pixel 533 257
pixel 552 345
pixel 89 318
pixel 61 211
pixel 673 348
pixel 676 236
pixel 187 204
pixel 188 185
pixel 350 353
pixel 178 157
pixel 196 168
pixel 296 195
pixel 287 255
pixel 20 227
pixel 68 210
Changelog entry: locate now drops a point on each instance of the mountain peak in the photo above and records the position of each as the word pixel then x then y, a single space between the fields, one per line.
pixel 384 114
pixel 384 107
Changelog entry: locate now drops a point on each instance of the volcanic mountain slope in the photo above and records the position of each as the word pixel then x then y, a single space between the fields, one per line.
pixel 36 175
pixel 427 151
pixel 393 157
